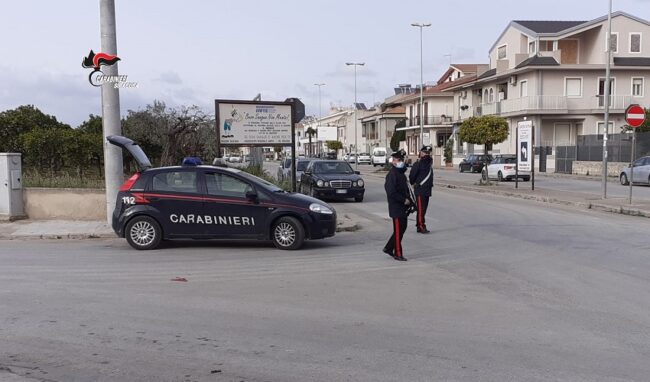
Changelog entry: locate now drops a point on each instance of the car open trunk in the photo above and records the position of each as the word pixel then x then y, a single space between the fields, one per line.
pixel 136 151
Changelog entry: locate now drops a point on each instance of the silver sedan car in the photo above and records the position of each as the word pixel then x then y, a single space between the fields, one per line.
pixel 641 172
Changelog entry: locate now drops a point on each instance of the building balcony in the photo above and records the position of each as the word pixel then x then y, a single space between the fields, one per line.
pixel 615 102
pixel 431 120
pixel 468 112
pixel 534 103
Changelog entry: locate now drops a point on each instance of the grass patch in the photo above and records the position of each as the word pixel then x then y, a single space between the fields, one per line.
pixel 33 178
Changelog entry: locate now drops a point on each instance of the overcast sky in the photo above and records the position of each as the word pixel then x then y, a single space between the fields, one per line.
pixel 192 51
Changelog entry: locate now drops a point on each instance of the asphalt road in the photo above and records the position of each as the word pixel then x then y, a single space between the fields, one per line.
pixel 502 290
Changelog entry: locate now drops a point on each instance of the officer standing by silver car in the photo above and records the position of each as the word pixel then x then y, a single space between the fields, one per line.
pixel 421 178
pixel 399 203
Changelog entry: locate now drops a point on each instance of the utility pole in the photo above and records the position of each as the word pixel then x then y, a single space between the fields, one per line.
pixel 421 26
pixel 320 109
pixel 607 96
pixel 113 170
pixel 356 146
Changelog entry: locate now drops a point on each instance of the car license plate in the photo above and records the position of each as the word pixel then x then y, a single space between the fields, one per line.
pixel 341 191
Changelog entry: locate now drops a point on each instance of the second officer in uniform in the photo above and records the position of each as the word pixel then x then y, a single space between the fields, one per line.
pixel 421 178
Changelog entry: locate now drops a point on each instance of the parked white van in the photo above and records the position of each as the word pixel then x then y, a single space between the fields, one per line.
pixel 379 156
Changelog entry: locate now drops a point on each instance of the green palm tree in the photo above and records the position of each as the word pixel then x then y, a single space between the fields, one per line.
pixel 310 132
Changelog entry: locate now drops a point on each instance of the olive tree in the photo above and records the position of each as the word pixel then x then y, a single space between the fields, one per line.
pixel 485 130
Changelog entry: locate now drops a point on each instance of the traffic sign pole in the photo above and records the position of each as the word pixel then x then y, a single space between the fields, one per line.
pixel 635 117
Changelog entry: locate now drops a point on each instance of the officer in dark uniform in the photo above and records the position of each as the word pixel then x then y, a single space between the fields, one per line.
pixel 399 201
pixel 421 178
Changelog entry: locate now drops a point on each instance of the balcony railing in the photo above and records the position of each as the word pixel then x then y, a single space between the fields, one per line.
pixel 490 108
pixel 615 102
pixel 430 120
pixel 534 103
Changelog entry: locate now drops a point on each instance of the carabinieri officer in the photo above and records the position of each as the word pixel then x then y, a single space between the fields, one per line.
pixel 421 178
pixel 399 200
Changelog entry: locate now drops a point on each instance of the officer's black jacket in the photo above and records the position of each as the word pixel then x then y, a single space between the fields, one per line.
pixel 419 172
pixel 397 192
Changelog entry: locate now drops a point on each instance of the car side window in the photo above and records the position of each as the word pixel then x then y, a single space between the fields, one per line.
pixel 639 162
pixel 510 160
pixel 175 181
pixel 226 185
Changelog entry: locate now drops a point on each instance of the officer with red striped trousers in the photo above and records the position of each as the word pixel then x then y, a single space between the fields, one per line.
pixel 421 178
pixel 399 203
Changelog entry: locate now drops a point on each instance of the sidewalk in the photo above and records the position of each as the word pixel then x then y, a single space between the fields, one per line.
pixel 639 207
pixel 75 229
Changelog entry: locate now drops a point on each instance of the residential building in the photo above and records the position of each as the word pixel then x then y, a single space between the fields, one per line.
pixel 338 125
pixel 552 73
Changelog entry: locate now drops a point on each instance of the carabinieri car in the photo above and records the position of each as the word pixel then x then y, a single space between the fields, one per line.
pixel 207 202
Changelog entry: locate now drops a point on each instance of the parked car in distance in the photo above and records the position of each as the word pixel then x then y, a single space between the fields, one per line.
pixel 284 172
pixel 332 179
pixel 331 155
pixel 235 158
pixel 641 172
pixel 364 158
pixel 379 156
pixel 350 158
pixel 474 162
pixel 504 167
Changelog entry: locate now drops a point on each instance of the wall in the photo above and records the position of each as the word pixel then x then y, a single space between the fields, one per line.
pixel 596 168
pixel 65 203
pixel 513 39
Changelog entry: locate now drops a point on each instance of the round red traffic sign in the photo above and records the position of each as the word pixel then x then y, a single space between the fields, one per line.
pixel 635 115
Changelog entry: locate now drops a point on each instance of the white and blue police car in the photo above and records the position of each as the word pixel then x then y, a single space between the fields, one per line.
pixel 194 201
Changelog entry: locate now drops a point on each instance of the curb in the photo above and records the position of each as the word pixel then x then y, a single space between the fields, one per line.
pixel 71 236
pixel 552 200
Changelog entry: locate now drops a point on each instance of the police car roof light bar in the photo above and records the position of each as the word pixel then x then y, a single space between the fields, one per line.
pixel 192 161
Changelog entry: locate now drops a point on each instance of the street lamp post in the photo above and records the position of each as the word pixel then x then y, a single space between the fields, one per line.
pixel 356 146
pixel 320 111
pixel 421 26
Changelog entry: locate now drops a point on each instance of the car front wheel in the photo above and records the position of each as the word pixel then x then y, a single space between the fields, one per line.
pixel 143 232
pixel 460 168
pixel 287 233
pixel 624 180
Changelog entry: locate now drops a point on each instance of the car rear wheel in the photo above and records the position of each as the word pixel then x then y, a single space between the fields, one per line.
pixel 500 176
pixel 143 232
pixel 624 180
pixel 287 233
pixel 526 179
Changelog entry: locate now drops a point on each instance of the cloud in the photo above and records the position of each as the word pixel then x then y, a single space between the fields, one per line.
pixel 171 78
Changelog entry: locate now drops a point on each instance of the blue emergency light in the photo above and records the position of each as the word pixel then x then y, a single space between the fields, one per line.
pixel 192 161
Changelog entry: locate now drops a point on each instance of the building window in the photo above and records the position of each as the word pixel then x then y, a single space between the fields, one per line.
pixel 613 42
pixel 601 125
pixel 491 95
pixel 531 47
pixel 635 42
pixel 573 87
pixel 523 89
pixel 637 87
pixel 502 52
pixel 485 96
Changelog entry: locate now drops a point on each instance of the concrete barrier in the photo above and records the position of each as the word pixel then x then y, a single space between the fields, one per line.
pixel 65 203
pixel 596 168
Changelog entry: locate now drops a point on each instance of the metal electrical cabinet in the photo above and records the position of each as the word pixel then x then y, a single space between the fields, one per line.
pixel 11 186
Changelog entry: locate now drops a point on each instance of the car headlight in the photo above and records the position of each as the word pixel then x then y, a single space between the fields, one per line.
pixel 321 209
pixel 354 184
pixel 327 184
pixel 360 183
pixel 319 183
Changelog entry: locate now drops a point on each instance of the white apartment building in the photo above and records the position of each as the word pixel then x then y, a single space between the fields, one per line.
pixel 339 125
pixel 552 72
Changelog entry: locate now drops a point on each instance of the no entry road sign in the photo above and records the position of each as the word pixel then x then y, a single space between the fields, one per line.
pixel 635 115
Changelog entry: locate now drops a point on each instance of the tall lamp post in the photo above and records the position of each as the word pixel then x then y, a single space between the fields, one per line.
pixel 356 147
pixel 421 26
pixel 320 111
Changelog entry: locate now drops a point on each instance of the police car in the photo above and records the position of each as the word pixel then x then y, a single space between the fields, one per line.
pixel 207 202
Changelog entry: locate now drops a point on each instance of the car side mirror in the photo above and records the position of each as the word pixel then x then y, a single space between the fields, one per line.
pixel 307 172
pixel 358 172
pixel 251 195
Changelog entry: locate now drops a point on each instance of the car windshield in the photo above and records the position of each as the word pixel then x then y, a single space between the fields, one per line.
pixel 380 153
pixel 332 168
pixel 302 165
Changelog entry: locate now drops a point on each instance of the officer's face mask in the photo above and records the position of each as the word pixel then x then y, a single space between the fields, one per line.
pixel 399 164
